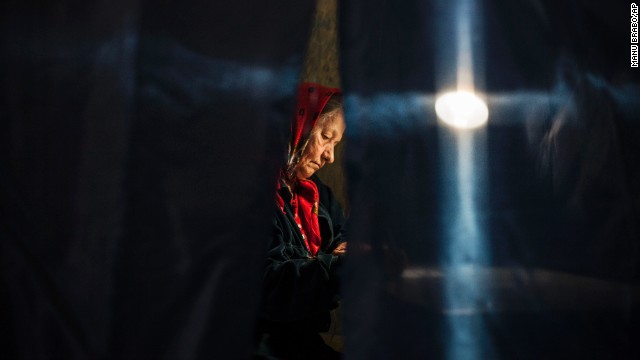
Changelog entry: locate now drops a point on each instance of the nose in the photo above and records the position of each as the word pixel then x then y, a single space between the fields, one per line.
pixel 328 154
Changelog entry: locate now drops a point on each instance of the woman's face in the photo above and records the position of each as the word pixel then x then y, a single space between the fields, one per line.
pixel 322 141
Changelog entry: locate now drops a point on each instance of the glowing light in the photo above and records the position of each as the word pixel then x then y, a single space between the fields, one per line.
pixel 462 110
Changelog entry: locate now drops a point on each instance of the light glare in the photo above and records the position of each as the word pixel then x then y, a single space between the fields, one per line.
pixel 463 110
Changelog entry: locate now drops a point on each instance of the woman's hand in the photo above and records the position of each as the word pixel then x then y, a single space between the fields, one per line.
pixel 341 249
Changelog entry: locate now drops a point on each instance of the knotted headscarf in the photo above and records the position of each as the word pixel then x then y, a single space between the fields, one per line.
pixel 311 100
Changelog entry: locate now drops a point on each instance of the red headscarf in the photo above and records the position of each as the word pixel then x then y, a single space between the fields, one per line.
pixel 311 99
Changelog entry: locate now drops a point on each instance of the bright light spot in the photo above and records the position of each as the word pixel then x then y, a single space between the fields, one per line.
pixel 462 109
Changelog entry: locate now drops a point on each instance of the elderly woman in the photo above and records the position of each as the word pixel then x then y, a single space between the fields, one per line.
pixel 305 251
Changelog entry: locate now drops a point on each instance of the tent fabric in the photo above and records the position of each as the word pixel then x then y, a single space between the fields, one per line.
pixel 140 144
pixel 516 240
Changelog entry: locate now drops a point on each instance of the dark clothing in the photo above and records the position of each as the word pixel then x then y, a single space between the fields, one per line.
pixel 299 290
pixel 295 346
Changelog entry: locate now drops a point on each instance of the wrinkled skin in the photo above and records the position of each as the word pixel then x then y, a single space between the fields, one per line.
pixel 320 151
pixel 320 148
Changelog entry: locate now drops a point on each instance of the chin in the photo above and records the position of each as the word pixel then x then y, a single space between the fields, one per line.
pixel 304 175
pixel 305 172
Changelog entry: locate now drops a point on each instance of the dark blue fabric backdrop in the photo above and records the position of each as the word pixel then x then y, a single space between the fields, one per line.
pixel 518 240
pixel 140 147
